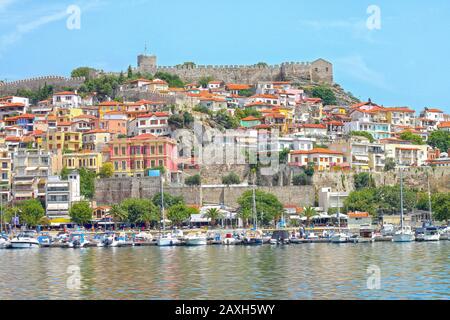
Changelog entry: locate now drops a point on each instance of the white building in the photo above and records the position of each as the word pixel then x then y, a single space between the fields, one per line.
pixel 329 199
pixel 154 123
pixel 61 194
pixel 14 99
pixel 66 99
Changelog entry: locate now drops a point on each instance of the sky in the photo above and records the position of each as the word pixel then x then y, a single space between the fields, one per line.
pixel 395 52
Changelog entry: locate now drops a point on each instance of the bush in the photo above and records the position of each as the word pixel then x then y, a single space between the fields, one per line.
pixel 300 179
pixel 363 134
pixel 363 180
pixel 325 93
pixel 81 213
pixel 231 179
pixel 193 181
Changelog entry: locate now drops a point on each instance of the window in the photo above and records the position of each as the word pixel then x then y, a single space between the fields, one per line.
pixel 116 151
pixel 116 165
pixel 160 163
pixel 152 150
pixel 124 150
pixel 160 149
pixel 124 165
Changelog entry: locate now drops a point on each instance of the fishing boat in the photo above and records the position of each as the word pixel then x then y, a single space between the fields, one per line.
pixel 366 234
pixel 45 239
pixel 196 239
pixel 253 237
pixel 404 234
pixel 431 234
pixel 25 240
pixel 108 239
pixel 78 240
pixel 280 237
pixel 229 239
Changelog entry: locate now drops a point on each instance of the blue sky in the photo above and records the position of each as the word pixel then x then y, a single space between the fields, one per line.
pixel 405 63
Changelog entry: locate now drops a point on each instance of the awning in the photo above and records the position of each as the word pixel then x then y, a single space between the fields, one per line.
pixel 361 158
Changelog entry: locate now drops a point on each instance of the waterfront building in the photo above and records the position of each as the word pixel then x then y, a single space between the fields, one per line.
pixel 358 219
pixel 61 194
pixel 132 156
pixel 329 199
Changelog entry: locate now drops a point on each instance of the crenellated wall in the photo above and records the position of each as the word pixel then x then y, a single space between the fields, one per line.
pixel 58 83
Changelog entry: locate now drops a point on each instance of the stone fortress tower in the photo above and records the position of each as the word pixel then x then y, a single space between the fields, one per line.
pixel 318 71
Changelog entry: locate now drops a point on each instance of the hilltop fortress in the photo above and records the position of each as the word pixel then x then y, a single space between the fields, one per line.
pixel 318 71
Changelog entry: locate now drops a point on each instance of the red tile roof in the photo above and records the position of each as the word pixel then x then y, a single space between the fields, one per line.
pixel 316 151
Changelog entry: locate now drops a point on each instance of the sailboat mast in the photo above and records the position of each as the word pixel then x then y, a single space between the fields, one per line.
pixel 429 198
pixel 401 199
pixel 339 212
pixel 254 208
pixel 162 202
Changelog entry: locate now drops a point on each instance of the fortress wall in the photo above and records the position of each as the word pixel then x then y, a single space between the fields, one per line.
pixel 57 82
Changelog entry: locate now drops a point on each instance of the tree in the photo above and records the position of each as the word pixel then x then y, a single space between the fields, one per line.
pixel 81 213
pixel 268 207
pixel 203 82
pixel 179 213
pixel 214 214
pixel 194 180
pixel 284 155
pixel 87 182
pixel 413 138
pixel 173 80
pixel 64 173
pixel 169 200
pixel 107 170
pixel 176 120
pixel 365 134
pixel 247 112
pixel 362 200
pixel 389 164
pixel 118 213
pixel 230 179
pixel 325 93
pixel 129 72
pixel 309 212
pixel 440 139
pixel 140 210
pixel 31 212
pixel 223 118
pixel 309 170
pixel 363 180
pixel 300 179
pixel 441 206
pixel 82 72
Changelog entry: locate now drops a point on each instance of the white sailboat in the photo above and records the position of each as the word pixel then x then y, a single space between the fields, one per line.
pixel 165 240
pixel 404 234
pixel 339 237
pixel 431 233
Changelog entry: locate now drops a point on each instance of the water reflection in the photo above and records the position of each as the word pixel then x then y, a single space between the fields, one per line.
pixel 309 271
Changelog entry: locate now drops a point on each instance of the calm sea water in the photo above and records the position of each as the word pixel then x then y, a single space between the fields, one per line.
pixel 306 271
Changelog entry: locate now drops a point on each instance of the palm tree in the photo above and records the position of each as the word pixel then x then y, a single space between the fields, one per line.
pixel 146 217
pixel 118 213
pixel 214 214
pixel 308 213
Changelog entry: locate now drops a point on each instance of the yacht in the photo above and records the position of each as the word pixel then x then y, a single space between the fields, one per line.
pixel 197 239
pixel 431 234
pixel 168 239
pixel 340 237
pixel 404 234
pixel 25 240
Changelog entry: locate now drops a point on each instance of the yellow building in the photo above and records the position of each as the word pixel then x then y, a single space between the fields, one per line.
pixel 70 141
pixel 109 106
pixel 67 114
pixel 84 159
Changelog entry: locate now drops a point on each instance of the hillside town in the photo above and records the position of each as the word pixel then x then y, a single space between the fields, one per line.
pixel 52 148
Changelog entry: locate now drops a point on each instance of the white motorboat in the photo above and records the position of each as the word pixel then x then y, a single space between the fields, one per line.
pixel 25 240
pixel 78 240
pixel 166 240
pixel 197 239
pixel 229 239
pixel 387 230
pixel 4 242
pixel 431 234
pixel 340 237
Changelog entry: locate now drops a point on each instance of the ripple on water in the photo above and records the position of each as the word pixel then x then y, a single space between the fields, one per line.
pixel 308 271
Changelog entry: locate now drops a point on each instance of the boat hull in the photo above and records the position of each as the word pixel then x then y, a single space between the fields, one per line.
pixel 431 237
pixel 23 245
pixel 196 242
pixel 166 242
pixel 403 237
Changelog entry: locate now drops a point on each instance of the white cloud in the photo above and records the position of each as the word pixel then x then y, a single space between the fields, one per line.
pixel 5 3
pixel 356 67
